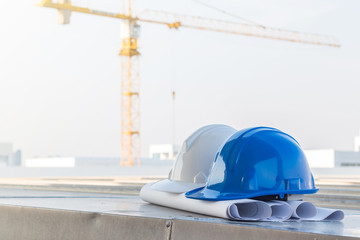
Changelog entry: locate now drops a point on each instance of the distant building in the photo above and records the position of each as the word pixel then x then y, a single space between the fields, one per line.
pixel 16 159
pixel 163 151
pixel 330 158
pixel 8 157
pixel 6 154
pixel 357 143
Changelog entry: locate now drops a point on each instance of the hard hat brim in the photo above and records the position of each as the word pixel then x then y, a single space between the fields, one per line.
pixel 167 185
pixel 206 194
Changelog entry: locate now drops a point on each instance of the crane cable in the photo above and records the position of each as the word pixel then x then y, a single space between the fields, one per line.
pixel 228 13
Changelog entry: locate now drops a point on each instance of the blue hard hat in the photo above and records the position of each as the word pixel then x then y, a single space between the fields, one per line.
pixel 257 162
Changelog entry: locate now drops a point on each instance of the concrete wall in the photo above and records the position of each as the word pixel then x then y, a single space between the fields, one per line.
pixel 323 158
pixel 163 151
pixel 96 161
pixel 79 162
pixel 330 158
pixel 50 162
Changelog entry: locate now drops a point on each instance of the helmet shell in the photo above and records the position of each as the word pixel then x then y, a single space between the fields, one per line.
pixel 257 162
pixel 193 163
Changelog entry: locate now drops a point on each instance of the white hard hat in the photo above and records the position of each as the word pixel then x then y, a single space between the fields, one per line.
pixel 193 163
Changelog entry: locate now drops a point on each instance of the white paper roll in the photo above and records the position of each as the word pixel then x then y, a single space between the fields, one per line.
pixel 280 211
pixel 327 214
pixel 242 209
pixel 302 209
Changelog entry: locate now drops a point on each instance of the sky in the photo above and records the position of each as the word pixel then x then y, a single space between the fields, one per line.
pixel 60 84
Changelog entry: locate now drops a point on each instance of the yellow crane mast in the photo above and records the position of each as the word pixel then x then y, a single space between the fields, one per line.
pixel 130 87
pixel 130 29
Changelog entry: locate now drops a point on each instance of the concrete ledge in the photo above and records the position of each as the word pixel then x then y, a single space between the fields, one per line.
pixel 40 215
pixel 186 230
pixel 123 189
pixel 28 223
pixel 344 194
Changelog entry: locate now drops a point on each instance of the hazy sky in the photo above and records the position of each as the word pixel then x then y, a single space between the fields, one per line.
pixel 60 85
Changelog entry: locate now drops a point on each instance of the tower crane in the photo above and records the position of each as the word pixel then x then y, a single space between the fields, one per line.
pixel 130 29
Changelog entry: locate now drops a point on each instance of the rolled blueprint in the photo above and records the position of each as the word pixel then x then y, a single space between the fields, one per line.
pixel 327 214
pixel 280 211
pixel 306 211
pixel 302 209
pixel 242 209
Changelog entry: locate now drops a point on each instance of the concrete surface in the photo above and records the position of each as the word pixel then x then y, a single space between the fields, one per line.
pixel 95 203
pixel 115 185
pixel 30 214
pixel 147 168
pixel 335 191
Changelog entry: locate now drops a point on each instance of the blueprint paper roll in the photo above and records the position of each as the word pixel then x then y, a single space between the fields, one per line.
pixel 242 209
pixel 306 211
pixel 302 209
pixel 280 211
pixel 327 214
pixel 248 210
